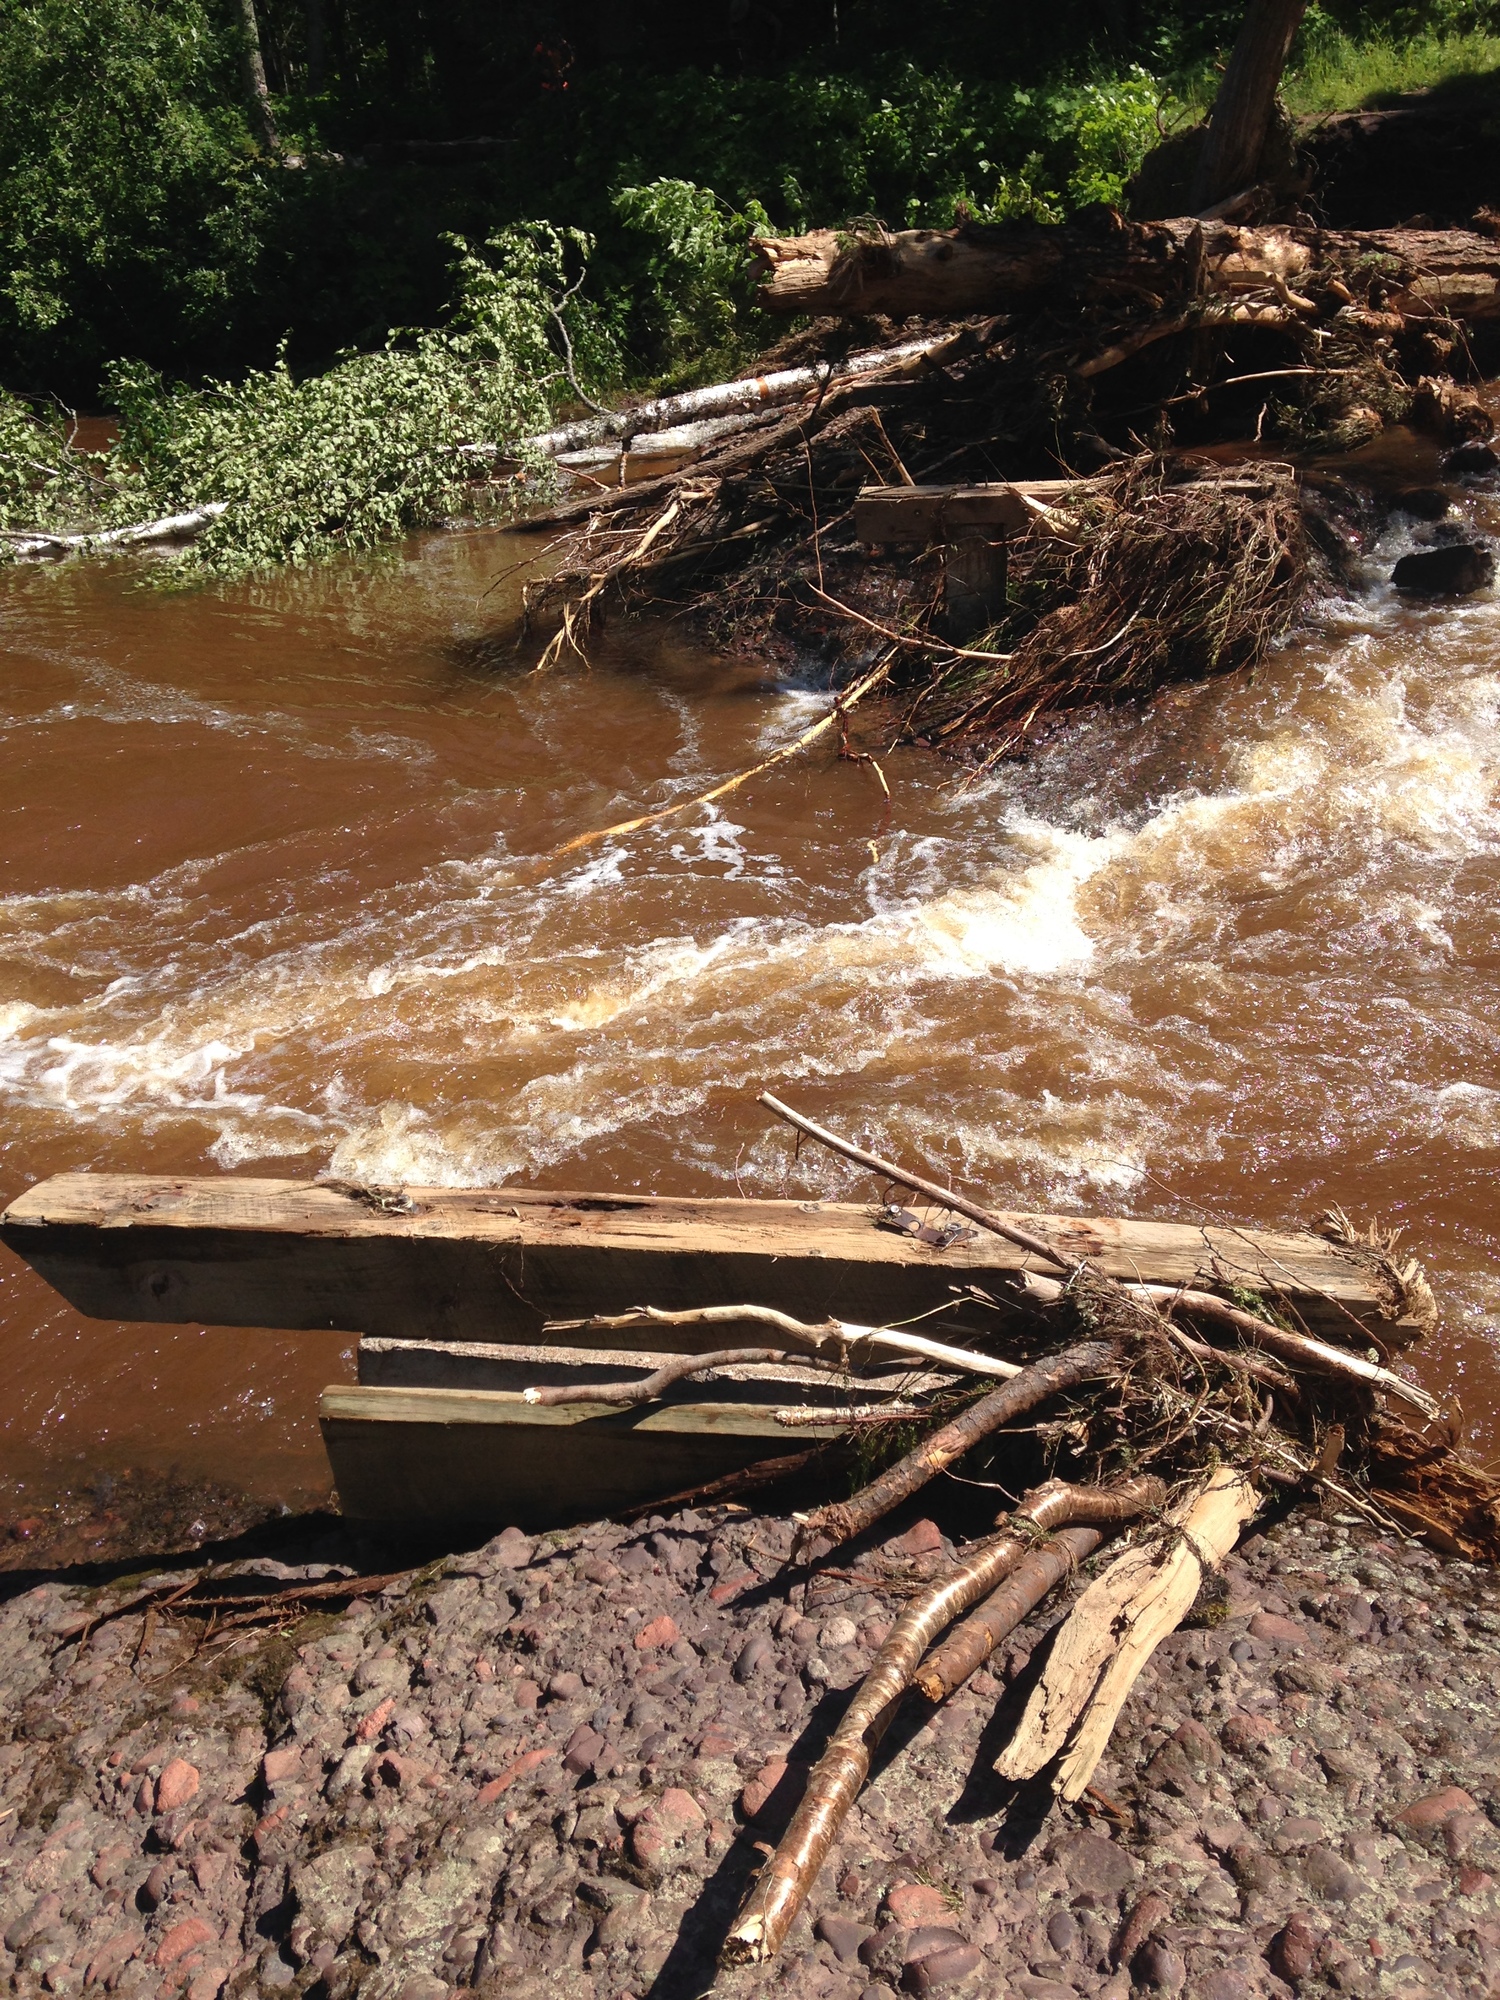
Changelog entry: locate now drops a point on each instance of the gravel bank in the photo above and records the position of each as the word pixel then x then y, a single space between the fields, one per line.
pixel 540 1770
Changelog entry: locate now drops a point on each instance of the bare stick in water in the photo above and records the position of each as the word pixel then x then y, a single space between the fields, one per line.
pixel 944 1197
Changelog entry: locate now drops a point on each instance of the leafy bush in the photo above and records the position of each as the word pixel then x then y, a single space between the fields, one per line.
pixel 350 458
pixel 689 300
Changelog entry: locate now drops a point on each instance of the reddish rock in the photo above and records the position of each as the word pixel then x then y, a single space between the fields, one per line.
pixel 716 1743
pixel 942 1969
pixel 755 1795
pixel 924 1538
pixel 278 1765
pixel 665 1831
pixel 1275 1630
pixel 113 1956
pixel 583 1749
pixel 1424 1814
pixel 731 1587
pixel 183 1938
pixel 208 1984
pixel 1244 1732
pixel 523 1764
pixel 916 1903
pixel 660 1632
pixel 526 1694
pixel 843 1937
pixel 1294 1949
pixel 371 1725
pixel 510 1549
pixel 1474 1881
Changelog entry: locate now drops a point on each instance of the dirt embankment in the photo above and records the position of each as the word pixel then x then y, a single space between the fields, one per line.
pixel 542 1768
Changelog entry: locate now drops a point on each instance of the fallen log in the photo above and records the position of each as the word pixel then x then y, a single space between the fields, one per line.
pixel 1242 272
pixel 84 541
pixel 836 1779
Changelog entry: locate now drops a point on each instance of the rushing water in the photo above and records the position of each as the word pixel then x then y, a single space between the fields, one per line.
pixel 270 904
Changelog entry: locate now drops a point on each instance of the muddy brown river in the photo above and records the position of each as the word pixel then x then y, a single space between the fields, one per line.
pixel 269 905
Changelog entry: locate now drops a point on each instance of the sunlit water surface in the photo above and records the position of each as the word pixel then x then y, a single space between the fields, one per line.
pixel 270 904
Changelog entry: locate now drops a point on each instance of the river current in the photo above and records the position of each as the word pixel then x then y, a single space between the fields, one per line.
pixel 272 903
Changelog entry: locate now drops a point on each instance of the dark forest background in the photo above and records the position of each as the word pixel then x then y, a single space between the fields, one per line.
pixel 145 212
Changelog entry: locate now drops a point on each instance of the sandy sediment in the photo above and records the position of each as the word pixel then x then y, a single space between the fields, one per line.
pixel 542 1767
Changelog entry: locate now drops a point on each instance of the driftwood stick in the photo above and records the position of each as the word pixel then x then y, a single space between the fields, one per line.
pixel 970 1644
pixel 945 1197
pixel 836 1779
pixel 679 1369
pixel 1113 1630
pixel 842 1336
pixel 1291 1347
pixel 843 1519
pixel 1047 1291
pixel 730 1486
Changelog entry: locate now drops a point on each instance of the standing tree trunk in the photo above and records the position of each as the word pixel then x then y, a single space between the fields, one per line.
pixel 257 96
pixel 1240 122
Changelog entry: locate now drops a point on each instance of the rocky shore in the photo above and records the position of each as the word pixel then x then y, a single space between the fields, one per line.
pixel 548 1767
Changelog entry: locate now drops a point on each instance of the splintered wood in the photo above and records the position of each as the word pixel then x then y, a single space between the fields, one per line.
pixel 1114 1629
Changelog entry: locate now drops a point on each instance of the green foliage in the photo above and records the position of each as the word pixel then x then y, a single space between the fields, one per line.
pixel 351 458
pixel 1335 69
pixel 42 482
pixel 130 198
pixel 690 298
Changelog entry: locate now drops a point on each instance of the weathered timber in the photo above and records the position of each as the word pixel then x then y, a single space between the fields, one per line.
pixel 915 516
pixel 493 1264
pixel 484 1455
pixel 1215 266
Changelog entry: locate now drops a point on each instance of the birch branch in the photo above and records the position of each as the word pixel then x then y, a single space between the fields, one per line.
pixel 970 1644
pixel 840 1336
pixel 836 1779
pixel 843 1519
pixel 170 528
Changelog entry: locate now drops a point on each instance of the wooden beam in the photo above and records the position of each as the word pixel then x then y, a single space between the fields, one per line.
pixel 476 1455
pixel 917 516
pixel 492 1264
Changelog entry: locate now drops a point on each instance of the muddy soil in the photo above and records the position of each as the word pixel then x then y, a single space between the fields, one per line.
pixel 546 1767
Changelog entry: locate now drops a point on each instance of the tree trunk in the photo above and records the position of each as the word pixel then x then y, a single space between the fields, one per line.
pixel 1240 122
pixel 1166 266
pixel 258 98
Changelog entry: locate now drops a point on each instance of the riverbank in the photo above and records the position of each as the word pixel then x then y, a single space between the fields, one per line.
pixel 542 1766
